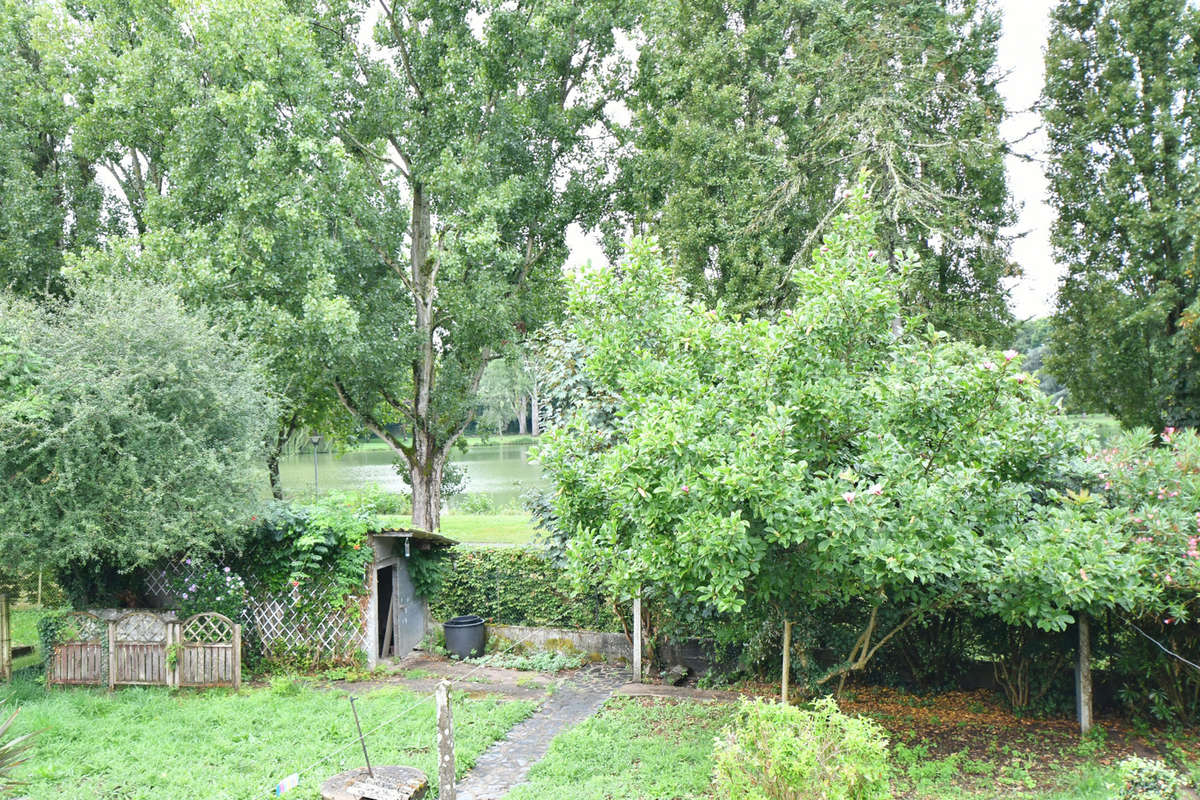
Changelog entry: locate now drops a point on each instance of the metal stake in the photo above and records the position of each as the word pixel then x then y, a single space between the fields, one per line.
pixel 361 741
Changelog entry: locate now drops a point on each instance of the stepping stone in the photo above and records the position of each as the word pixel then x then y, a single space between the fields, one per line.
pixel 388 783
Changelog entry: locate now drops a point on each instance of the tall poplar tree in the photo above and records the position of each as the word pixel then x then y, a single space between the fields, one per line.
pixel 1121 109
pixel 751 118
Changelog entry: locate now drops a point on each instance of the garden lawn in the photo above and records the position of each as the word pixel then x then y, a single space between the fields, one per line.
pixel 488 528
pixel 139 743
pixel 639 748
pixel 661 749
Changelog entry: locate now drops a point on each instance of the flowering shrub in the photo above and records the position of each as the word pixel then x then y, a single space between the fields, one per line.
pixel 207 587
pixel 828 456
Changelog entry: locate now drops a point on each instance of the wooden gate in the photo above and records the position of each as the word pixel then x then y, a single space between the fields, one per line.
pixel 138 644
pixel 142 648
pixel 209 645
pixel 79 656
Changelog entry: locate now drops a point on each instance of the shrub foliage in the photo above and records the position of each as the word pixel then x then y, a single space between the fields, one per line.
pixel 777 752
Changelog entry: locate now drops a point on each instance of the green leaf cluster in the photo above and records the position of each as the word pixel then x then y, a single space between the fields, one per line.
pixel 772 751
pixel 830 455
pixel 750 120
pixel 1120 102
pixel 134 434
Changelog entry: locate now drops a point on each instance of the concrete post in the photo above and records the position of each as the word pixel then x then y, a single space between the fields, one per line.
pixel 637 639
pixel 1085 675
pixel 445 741
pixel 787 659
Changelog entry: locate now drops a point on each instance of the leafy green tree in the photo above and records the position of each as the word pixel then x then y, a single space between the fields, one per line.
pixel 751 119
pixel 504 395
pixel 1121 106
pixel 49 201
pixel 473 182
pixel 130 430
pixel 213 126
pixel 773 467
pixel 384 220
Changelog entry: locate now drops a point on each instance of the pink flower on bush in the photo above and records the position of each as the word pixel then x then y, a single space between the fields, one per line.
pixel 876 489
pixel 849 497
pixel 1009 355
pixel 989 366
pixel 1167 433
pixel 1082 573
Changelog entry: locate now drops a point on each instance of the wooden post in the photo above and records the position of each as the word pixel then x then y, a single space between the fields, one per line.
pixel 112 655
pixel 637 639
pixel 787 659
pixel 237 656
pixel 1085 674
pixel 445 741
pixel 5 641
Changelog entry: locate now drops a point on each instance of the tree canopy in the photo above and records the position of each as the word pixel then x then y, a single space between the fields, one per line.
pixel 130 430
pixel 751 119
pixel 1121 102
pixel 819 457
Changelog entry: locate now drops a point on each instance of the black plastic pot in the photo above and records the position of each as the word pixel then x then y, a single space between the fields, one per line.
pixel 466 636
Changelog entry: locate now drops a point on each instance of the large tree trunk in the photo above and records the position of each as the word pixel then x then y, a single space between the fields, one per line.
pixel 522 413
pixel 273 475
pixel 535 421
pixel 426 458
pixel 276 449
pixel 426 479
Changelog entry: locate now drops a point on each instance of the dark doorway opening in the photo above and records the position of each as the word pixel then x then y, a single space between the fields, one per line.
pixel 384 609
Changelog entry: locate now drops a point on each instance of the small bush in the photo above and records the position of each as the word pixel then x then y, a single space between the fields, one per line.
pixel 1146 779
pixel 776 752
pixel 475 503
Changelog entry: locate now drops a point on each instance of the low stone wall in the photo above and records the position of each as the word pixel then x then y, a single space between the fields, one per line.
pixel 612 647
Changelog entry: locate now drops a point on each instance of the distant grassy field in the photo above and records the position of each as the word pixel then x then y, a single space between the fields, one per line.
pixel 473 441
pixel 514 528
pixel 1102 426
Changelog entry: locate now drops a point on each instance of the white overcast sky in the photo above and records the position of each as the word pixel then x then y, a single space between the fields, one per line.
pixel 1026 24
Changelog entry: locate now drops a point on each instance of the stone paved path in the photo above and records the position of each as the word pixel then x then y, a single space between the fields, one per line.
pixel 506 763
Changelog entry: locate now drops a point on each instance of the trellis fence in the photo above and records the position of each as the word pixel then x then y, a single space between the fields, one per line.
pixel 144 648
pixel 302 618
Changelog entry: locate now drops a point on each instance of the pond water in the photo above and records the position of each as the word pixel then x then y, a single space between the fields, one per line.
pixel 502 471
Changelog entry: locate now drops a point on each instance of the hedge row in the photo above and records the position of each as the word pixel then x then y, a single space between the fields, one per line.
pixel 517 586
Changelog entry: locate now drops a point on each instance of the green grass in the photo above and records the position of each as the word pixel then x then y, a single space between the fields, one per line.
pixel 513 528
pixel 631 749
pixel 643 749
pixel 138 744
pixel 24 625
